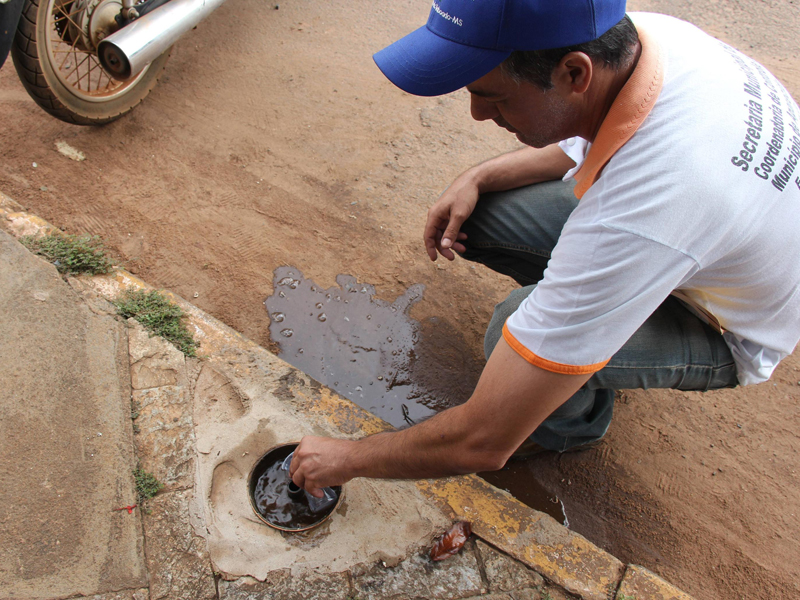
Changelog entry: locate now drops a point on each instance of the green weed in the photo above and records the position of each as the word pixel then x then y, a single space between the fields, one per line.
pixel 71 254
pixel 147 485
pixel 158 315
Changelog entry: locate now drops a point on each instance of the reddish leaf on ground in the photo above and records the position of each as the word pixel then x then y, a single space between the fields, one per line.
pixel 452 541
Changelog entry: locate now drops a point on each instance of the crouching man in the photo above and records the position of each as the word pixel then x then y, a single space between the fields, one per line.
pixel 651 221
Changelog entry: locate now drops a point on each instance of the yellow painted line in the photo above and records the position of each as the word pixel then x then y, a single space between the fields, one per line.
pixel 562 556
pixel 641 584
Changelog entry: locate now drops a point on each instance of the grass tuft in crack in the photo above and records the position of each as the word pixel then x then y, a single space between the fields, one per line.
pixel 159 316
pixel 147 485
pixel 71 254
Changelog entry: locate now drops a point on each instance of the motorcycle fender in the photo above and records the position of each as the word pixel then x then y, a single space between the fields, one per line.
pixel 10 11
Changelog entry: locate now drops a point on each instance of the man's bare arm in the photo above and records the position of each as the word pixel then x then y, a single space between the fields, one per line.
pixel 511 399
pixel 505 172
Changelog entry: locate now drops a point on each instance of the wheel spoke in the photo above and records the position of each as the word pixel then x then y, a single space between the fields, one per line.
pixel 85 58
pixel 93 66
pixel 67 17
pixel 72 50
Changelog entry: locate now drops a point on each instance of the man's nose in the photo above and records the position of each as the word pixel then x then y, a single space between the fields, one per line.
pixel 482 110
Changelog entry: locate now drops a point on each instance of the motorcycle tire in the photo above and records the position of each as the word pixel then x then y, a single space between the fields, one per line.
pixel 43 38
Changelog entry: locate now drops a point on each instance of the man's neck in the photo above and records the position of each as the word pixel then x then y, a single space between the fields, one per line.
pixel 606 86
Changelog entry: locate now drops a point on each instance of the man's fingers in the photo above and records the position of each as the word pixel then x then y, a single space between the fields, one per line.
pixel 460 248
pixel 430 248
pixel 452 233
pixel 299 479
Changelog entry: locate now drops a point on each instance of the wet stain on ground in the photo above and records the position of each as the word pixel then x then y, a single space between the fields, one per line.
pixel 373 353
pixel 517 478
pixel 360 346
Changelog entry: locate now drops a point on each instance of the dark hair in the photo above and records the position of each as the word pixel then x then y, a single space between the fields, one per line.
pixel 614 49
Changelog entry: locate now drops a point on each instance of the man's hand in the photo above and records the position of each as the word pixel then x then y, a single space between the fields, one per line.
pixel 442 229
pixel 321 462
pixel 508 171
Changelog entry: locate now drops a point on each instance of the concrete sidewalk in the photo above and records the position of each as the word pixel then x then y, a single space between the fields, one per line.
pixel 85 397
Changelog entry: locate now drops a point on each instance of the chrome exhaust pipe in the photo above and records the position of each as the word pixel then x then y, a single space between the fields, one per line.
pixel 129 50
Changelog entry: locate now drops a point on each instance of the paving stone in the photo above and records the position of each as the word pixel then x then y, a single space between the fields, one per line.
pixel 641 584
pixel 282 585
pixel 177 559
pixel 555 593
pixel 504 573
pixel 161 402
pixel 419 577
pixel 154 361
pixel 165 440
pixel 141 594
pixel 527 594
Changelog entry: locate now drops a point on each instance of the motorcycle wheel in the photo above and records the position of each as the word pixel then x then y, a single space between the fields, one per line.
pixel 55 56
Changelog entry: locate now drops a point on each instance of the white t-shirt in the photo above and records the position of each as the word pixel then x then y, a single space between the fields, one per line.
pixel 702 198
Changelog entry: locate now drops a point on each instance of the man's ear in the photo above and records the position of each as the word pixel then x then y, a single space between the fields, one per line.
pixel 573 74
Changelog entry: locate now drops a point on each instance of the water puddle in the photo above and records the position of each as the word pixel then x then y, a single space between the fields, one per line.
pixel 373 353
pixel 356 344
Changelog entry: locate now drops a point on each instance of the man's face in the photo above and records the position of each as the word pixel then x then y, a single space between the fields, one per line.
pixel 538 118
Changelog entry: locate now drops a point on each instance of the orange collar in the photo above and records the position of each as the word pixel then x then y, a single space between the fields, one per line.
pixel 630 108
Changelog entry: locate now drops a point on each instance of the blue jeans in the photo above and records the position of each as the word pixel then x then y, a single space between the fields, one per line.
pixel 514 233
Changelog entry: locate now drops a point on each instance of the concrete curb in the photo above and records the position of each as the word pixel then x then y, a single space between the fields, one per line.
pixel 535 539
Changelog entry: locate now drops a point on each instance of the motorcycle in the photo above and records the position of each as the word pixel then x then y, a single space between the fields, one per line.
pixel 89 62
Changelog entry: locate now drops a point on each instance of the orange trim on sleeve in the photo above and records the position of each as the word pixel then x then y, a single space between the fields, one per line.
pixel 629 110
pixel 548 365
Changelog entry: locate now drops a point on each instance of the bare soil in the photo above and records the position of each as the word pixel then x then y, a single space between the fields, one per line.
pixel 272 139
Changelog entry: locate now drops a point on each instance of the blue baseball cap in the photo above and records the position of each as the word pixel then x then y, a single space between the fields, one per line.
pixel 465 39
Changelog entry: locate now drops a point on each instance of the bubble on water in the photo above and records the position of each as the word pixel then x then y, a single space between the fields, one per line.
pixel 318 305
pixel 281 294
pixel 394 309
pixel 294 284
pixel 359 388
pixel 286 281
pixel 327 297
pixel 352 291
pixel 300 351
pixel 338 298
pixel 278 317
pixel 347 319
pixel 322 317
pixel 380 377
pixel 369 317
pixel 389 340
pixel 346 301
pixel 363 290
pixel 313 288
pixel 286 332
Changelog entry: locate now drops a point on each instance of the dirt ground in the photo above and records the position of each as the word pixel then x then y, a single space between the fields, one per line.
pixel 272 139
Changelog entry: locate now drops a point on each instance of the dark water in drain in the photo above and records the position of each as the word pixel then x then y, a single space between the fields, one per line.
pixel 371 352
pixel 276 506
